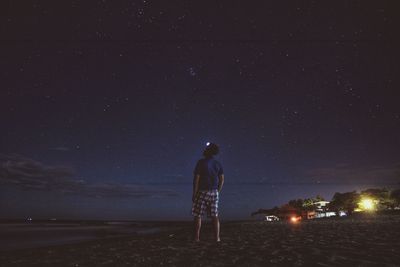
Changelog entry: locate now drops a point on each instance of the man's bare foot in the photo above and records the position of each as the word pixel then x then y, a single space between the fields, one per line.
pixel 218 240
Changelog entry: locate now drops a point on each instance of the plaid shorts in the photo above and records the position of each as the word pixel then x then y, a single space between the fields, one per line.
pixel 206 200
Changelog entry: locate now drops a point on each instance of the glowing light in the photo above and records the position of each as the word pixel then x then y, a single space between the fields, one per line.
pixel 208 143
pixel 367 204
pixel 294 219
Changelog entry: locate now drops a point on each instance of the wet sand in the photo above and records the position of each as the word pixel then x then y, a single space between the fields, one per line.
pixel 357 241
pixel 16 236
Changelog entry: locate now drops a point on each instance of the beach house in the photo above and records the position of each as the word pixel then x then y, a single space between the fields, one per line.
pixel 322 211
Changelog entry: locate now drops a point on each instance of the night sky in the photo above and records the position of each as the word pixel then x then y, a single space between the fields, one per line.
pixel 106 106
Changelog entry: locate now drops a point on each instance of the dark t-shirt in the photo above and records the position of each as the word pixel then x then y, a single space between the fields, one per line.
pixel 209 170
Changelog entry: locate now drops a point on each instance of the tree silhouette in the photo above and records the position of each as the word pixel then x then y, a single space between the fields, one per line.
pixel 395 196
pixel 344 202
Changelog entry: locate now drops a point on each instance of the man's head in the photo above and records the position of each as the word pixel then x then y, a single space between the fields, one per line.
pixel 211 150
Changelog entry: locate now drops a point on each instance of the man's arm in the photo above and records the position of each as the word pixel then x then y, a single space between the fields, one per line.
pixel 196 180
pixel 220 182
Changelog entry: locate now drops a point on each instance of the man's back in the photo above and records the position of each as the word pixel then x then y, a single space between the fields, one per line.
pixel 209 171
pixel 207 183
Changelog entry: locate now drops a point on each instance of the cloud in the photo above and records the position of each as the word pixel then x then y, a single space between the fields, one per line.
pixel 350 174
pixel 29 174
pixel 112 190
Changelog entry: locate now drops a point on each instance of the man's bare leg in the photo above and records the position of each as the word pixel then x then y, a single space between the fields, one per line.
pixel 197 226
pixel 215 220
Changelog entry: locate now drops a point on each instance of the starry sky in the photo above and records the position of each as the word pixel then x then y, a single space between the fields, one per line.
pixel 106 106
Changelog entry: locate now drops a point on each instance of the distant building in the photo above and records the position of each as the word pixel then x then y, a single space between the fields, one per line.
pixel 321 210
pixel 325 214
pixel 321 205
pixel 271 218
pixel 310 214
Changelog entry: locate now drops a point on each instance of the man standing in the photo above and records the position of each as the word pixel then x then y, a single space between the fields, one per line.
pixel 207 184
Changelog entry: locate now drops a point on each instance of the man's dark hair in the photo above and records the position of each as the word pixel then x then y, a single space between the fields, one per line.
pixel 211 150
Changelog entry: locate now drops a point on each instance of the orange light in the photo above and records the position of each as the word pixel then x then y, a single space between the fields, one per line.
pixel 294 219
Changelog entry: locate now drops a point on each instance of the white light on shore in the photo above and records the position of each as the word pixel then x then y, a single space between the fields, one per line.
pixel 208 143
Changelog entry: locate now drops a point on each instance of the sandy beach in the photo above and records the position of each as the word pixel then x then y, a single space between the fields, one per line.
pixel 352 241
